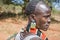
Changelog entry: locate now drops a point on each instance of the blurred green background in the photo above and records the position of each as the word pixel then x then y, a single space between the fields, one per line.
pixel 15 8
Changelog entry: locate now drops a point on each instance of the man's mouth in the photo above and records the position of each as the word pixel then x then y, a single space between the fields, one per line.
pixel 46 26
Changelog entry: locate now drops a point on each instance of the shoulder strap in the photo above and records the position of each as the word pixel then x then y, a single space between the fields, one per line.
pixel 42 35
pixel 39 33
pixel 28 27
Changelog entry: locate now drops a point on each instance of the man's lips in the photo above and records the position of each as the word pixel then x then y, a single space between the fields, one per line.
pixel 46 26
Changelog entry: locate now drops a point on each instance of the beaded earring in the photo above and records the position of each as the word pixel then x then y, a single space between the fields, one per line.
pixel 33 24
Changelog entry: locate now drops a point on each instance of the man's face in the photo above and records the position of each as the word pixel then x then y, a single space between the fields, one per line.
pixel 43 20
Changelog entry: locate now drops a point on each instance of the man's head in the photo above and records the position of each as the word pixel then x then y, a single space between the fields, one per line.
pixel 40 12
pixel 30 36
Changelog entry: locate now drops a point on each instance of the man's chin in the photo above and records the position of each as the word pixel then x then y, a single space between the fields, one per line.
pixel 45 29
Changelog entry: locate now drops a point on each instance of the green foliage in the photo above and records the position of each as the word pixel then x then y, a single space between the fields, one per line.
pixel 49 2
pixel 7 1
pixel 55 11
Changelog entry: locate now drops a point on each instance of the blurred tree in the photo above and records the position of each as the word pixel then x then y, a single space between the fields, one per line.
pixel 49 2
pixel 7 1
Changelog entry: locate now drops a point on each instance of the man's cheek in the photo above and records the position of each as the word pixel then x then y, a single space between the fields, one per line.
pixel 43 20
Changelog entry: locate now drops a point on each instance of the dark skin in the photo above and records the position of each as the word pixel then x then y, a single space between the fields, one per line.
pixel 41 15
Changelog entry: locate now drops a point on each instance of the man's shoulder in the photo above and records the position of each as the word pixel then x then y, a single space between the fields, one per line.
pixel 18 36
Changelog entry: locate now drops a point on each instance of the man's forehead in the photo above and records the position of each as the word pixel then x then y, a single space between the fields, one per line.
pixel 45 14
pixel 42 8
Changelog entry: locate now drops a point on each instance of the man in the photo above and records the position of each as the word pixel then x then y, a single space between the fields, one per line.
pixel 38 18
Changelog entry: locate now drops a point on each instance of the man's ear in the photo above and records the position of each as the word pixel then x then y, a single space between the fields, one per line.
pixel 33 16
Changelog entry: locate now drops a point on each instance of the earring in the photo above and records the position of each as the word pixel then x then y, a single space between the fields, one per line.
pixel 33 24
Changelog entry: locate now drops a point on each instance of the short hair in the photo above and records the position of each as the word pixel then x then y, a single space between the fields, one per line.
pixel 30 8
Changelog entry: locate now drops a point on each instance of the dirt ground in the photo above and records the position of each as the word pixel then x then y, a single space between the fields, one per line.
pixel 8 27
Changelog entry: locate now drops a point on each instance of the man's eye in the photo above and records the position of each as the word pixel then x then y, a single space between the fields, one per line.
pixel 46 16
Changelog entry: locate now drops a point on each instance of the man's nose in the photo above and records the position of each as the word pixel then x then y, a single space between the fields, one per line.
pixel 49 20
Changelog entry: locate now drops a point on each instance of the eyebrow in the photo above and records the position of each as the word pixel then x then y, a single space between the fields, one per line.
pixel 47 15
